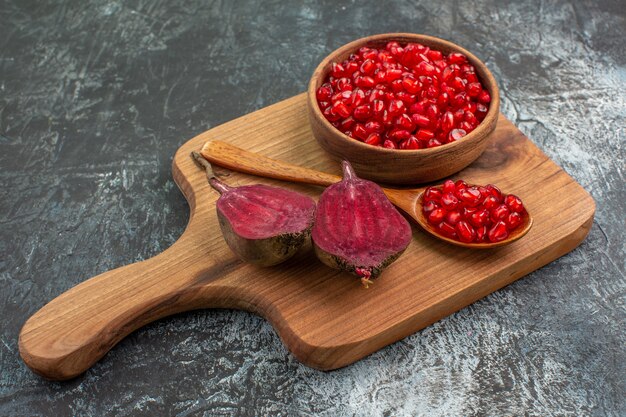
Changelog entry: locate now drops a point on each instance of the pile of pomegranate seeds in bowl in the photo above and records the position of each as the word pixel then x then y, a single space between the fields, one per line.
pixel 472 214
pixel 403 96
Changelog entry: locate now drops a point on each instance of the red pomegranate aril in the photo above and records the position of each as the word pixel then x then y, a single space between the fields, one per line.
pixel 396 107
pixel 498 232
pixel 447 229
pixel 373 127
pixel 471 196
pixel 479 218
pixel 453 217
pixel 494 191
pixel 514 203
pixel 357 98
pixel 425 135
pixel 448 186
pixel 436 216
pixel 433 143
pixel 412 86
pixel 491 202
pixel 484 97
pixel 437 98
pixel 432 194
pixel 337 70
pixel 344 84
pixel 389 144
pixel 362 113
pixel 398 135
pixel 364 82
pixel 346 124
pixel 420 120
pixel 324 92
pixel 449 201
pixel 405 122
pixel 501 212
pixel 473 89
pixel 513 220
pixel 410 143
pixel 456 134
pixel 457 58
pixel 373 139
pixel 481 234
pixel 429 206
pixel 447 121
pixel 465 232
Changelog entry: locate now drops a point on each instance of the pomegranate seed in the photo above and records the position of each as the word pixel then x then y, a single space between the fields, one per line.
pixel 433 194
pixel 324 92
pixel 501 212
pixel 362 112
pixel 337 70
pixel 340 109
pixel 373 127
pixel 491 202
pixel 389 144
pixel 449 187
pixel 368 67
pixel 429 206
pixel 471 196
pixel 465 232
pixel 346 124
pixel 473 89
pixel 498 232
pixel 434 55
pixel 420 120
pixel 433 143
pixel 373 139
pixel 484 97
pixel 456 58
pixel 494 191
pixel 357 98
pixel 447 121
pixel 481 234
pixel 412 86
pixel 514 203
pixel 456 134
pixel 330 115
pixel 350 68
pixel 399 135
pixel 344 84
pixel 364 82
pixel 425 135
pixel 393 74
pixel 359 132
pixel 479 218
pixel 447 230
pixel 396 107
pixel 449 201
pixel 410 143
pixel 460 184
pixel 453 217
pixel 405 122
pixel 436 216
pixel 513 220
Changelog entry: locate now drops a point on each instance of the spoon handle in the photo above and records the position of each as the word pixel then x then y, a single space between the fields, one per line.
pixel 240 160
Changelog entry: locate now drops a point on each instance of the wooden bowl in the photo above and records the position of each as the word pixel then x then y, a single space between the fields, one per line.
pixel 402 166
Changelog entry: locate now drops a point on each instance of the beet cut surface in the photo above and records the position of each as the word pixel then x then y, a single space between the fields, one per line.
pixel 357 229
pixel 262 225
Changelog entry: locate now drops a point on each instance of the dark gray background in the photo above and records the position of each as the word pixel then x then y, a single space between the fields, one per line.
pixel 96 96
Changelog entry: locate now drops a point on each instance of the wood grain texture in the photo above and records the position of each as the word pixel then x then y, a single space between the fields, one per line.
pixel 323 316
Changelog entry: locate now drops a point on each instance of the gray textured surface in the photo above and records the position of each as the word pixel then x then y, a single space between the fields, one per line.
pixel 95 97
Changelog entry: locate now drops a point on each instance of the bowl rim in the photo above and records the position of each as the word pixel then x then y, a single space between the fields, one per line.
pixel 487 79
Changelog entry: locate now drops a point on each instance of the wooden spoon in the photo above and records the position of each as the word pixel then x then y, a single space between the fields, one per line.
pixel 409 200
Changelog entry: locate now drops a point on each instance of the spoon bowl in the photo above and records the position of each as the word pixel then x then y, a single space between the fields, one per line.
pixel 408 200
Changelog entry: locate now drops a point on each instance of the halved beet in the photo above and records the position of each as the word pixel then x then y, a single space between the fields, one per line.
pixel 263 225
pixel 357 229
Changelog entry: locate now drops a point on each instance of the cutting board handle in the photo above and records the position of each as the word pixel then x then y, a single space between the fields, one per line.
pixel 73 331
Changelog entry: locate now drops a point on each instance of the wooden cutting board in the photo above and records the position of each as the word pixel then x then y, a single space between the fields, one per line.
pixel 324 317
